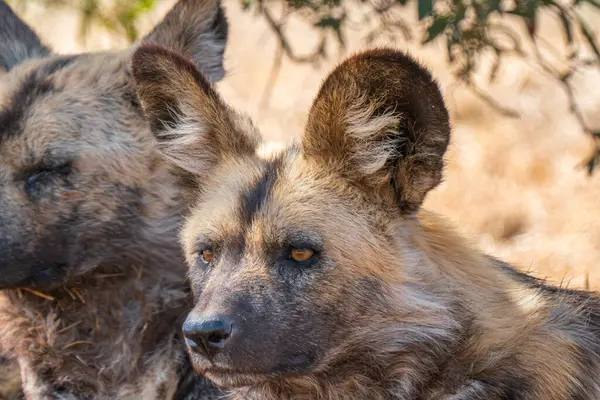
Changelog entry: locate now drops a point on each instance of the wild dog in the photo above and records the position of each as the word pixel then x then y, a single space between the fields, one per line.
pixel 91 274
pixel 316 273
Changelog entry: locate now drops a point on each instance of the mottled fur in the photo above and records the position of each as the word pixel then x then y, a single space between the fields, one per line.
pixel 91 275
pixel 392 304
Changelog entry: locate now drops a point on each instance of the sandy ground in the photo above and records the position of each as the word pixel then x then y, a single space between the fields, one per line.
pixel 515 186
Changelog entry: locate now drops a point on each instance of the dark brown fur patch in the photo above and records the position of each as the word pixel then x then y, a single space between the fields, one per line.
pixel 38 83
pixel 254 198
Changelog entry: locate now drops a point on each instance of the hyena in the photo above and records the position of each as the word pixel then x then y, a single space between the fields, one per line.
pixel 316 273
pixel 92 279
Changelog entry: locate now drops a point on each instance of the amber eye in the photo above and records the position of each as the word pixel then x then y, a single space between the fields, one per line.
pixel 207 256
pixel 301 254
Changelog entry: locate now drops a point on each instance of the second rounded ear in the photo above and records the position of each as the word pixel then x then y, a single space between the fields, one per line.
pixel 380 119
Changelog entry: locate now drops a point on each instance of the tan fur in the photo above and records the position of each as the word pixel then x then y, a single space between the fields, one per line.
pixel 393 304
pixel 92 280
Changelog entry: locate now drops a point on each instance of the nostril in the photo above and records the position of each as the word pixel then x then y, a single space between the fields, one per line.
pixel 207 335
pixel 218 337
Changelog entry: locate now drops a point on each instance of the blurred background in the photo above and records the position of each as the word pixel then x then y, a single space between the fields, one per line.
pixel 520 78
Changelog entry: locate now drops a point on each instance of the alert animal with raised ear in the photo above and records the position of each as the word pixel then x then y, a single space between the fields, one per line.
pixel 317 275
pixel 92 280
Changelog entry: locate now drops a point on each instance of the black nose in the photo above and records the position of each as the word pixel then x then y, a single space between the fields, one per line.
pixel 207 335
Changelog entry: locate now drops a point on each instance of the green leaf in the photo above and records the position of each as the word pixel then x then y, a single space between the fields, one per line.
pixel 438 26
pixel 484 8
pixel 299 3
pixel 532 8
pixel 328 22
pixel 460 14
pixel 495 5
pixel 335 24
pixel 425 8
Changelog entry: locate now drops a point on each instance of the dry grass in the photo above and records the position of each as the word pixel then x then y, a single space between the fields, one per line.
pixel 514 185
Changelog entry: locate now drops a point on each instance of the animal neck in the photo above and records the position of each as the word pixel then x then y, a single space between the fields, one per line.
pixel 486 313
pixel 477 289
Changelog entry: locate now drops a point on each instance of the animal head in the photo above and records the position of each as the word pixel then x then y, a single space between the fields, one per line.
pixel 291 253
pixel 81 181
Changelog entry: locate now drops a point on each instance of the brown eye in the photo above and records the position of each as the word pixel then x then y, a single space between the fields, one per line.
pixel 300 255
pixel 207 256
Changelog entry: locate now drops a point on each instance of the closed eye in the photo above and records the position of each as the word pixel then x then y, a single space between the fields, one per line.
pixel 37 178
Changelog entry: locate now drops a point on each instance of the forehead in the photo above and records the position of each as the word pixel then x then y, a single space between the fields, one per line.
pixel 274 201
pixel 56 87
pixel 61 99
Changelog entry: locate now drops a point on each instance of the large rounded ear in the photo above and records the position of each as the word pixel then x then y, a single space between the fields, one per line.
pixel 196 29
pixel 380 121
pixel 18 42
pixel 194 127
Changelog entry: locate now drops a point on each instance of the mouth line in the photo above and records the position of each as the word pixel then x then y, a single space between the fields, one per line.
pixel 232 371
pixel 232 378
pixel 207 365
pixel 246 373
